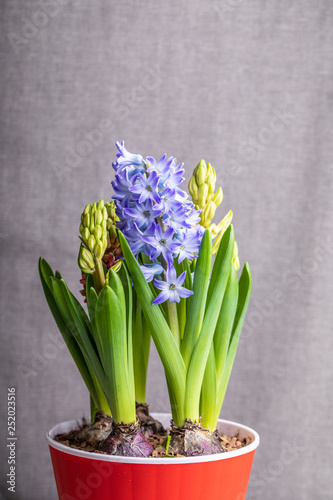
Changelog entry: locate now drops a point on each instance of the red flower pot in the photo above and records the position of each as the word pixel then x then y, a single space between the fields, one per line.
pixel 81 475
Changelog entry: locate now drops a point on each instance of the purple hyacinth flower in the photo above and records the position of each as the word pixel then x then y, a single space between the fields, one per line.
pixel 189 244
pixel 125 158
pixel 142 214
pixel 171 288
pixel 178 219
pixel 176 177
pixel 121 186
pixel 162 167
pixel 151 270
pixel 193 215
pixel 168 202
pixel 146 188
pixel 135 237
pixel 161 243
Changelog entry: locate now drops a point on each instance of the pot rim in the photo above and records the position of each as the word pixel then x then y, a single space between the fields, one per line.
pixel 72 424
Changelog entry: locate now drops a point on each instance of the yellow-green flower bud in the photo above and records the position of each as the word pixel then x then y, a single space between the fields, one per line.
pixel 200 173
pixel 211 172
pixel 111 227
pixel 98 218
pixel 211 184
pixel 218 197
pixel 202 195
pixel 193 189
pixel 86 220
pixel 100 204
pixel 105 213
pixel 85 235
pixel 98 233
pixel 98 250
pixel 85 260
pixel 91 243
pixel 220 229
pixel 207 214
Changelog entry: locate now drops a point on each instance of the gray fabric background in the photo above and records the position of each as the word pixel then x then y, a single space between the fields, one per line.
pixel 247 85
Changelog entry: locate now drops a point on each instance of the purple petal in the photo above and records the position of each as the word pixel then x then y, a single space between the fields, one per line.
pixel 174 296
pixel 161 285
pixel 162 297
pixel 184 292
pixel 180 280
pixel 171 275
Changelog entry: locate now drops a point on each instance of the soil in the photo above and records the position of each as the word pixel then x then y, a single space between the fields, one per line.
pixel 88 438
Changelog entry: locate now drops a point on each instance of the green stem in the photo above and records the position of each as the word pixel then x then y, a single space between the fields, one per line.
pixel 172 318
pixel 98 276
pixel 181 311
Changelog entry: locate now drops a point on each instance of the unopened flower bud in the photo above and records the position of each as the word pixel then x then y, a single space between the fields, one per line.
pixel 220 229
pixel 211 184
pixel 211 172
pixel 91 243
pixel 218 197
pixel 85 260
pixel 85 235
pixel 98 233
pixel 117 265
pixel 86 220
pixel 207 214
pixel 99 251
pixel 202 195
pixel 98 218
pixel 100 204
pixel 200 173
pixel 193 189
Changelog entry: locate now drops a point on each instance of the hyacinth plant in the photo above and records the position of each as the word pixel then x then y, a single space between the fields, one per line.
pixel 146 262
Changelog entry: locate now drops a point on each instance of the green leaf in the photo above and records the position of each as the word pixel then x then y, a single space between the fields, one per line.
pixel 141 347
pixel 245 285
pixel 46 274
pixel 225 323
pixel 198 299
pixel 165 343
pixel 202 347
pixel 128 294
pixel 73 319
pixel 110 323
